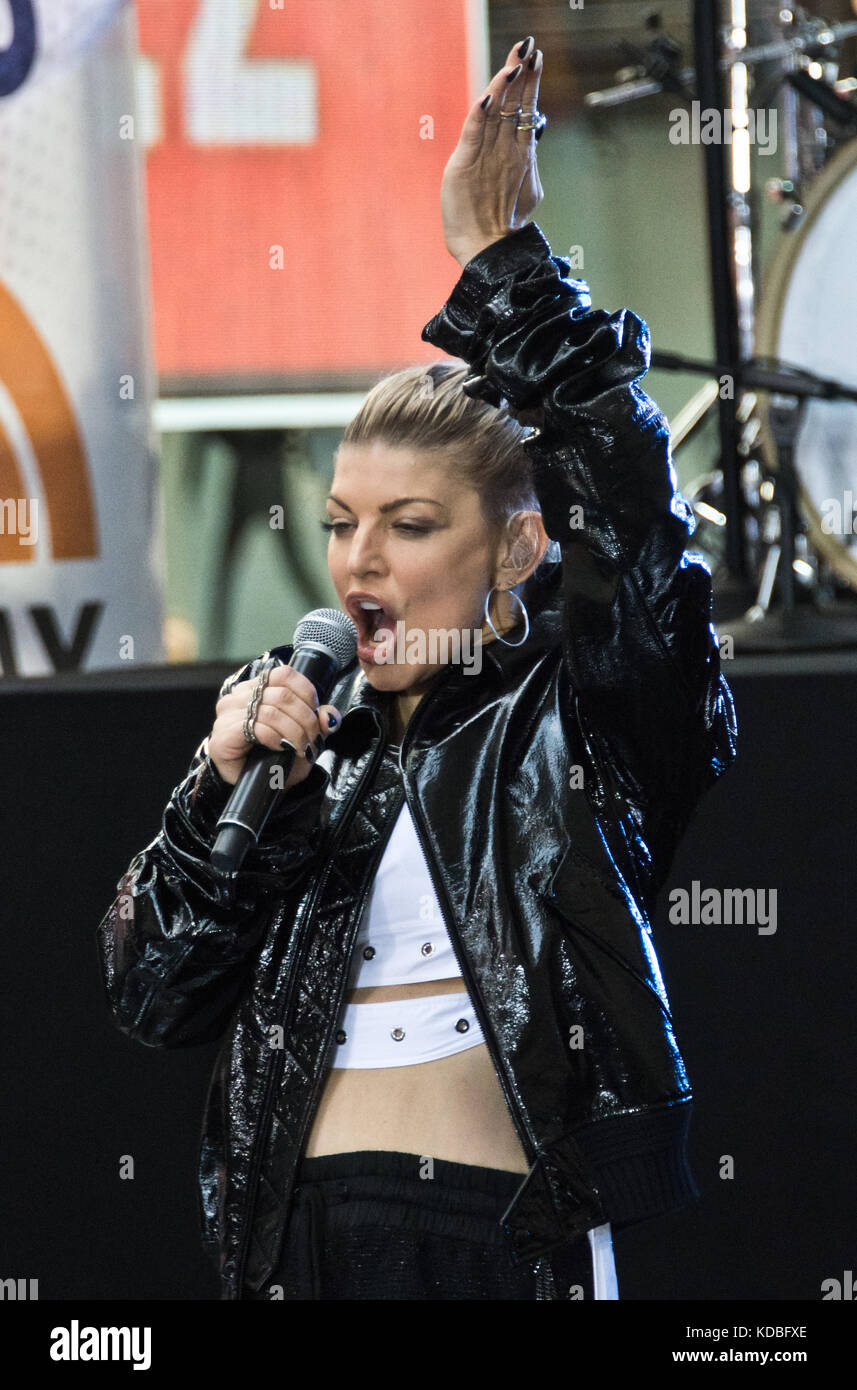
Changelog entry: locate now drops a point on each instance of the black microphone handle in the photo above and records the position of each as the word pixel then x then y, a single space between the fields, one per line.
pixel 253 797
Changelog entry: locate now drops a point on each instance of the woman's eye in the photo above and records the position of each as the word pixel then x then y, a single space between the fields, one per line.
pixel 407 527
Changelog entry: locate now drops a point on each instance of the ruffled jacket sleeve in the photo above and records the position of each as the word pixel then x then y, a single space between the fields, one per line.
pixel 641 660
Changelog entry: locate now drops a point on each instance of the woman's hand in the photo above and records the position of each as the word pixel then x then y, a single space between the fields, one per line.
pixel 491 183
pixel 288 709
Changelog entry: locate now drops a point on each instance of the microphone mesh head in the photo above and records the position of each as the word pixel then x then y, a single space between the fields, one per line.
pixel 330 629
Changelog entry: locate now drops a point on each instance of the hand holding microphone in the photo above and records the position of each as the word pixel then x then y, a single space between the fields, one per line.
pixel 266 747
pixel 289 709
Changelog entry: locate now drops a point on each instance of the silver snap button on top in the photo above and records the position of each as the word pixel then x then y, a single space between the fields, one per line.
pixel 397 1033
pixel 462 1025
pixel 427 948
pixel 368 952
pixel 341 1035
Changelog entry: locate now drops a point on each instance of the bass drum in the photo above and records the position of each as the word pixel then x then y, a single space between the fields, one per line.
pixel 808 318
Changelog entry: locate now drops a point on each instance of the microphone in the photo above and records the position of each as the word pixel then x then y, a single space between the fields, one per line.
pixel 325 642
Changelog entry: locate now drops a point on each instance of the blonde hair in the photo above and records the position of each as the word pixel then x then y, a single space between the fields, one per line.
pixel 426 408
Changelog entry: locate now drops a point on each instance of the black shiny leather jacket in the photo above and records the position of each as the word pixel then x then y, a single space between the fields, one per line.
pixel 549 792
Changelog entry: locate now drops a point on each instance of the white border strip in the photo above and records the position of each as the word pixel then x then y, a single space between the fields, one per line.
pixel 478 51
pixel 313 410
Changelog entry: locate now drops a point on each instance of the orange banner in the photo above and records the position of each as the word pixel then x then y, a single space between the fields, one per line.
pixel 295 156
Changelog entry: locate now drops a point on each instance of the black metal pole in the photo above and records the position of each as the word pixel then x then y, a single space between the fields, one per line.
pixel 709 88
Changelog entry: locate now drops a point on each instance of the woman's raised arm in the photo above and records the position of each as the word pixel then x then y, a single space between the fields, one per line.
pixel 641 657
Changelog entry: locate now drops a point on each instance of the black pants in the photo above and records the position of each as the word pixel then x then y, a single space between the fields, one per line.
pixel 367 1225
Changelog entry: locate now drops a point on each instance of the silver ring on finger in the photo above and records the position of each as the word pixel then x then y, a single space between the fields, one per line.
pixel 534 121
pixel 247 726
pixel 253 707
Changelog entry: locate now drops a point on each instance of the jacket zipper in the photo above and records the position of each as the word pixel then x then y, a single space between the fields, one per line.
pixel 543 1278
pixel 463 965
pixel 276 1066
pixel 312 1106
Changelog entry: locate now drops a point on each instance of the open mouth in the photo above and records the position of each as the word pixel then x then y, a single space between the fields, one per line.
pixel 374 623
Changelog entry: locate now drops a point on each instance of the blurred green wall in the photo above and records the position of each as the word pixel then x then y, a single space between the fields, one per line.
pixel 616 187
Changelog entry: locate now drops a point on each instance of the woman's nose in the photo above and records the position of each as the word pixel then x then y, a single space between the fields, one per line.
pixel 365 553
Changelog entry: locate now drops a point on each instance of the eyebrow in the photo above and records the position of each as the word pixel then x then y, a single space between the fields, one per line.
pixel 388 506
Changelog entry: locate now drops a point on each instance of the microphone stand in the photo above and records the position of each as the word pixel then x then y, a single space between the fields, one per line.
pixel 719 192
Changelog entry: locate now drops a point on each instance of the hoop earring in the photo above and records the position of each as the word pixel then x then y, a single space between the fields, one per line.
pixel 493 628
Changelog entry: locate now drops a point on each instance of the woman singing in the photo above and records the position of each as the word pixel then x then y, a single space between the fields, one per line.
pixel 448 1067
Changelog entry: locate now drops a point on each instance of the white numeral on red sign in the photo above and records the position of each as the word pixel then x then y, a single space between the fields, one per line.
pixel 233 100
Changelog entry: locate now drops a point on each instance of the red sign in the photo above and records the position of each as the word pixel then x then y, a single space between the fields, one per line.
pixel 294 170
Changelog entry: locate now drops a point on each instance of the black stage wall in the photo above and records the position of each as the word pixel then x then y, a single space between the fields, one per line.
pixel 765 1021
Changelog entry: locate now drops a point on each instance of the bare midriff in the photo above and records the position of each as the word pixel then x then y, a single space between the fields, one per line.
pixel 452 1108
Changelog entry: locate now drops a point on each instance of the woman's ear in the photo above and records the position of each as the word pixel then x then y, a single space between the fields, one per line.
pixel 522 550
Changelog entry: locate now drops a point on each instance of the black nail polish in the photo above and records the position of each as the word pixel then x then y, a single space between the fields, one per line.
pixel 524 46
pixel 510 76
pixel 532 63
pixel 285 745
pixel 308 754
pixel 485 100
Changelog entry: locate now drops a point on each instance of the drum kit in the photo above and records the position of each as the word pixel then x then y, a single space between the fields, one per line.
pixel 777 514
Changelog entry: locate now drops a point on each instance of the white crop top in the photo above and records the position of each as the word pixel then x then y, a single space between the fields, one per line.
pixel 402 936
pixel 402 939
